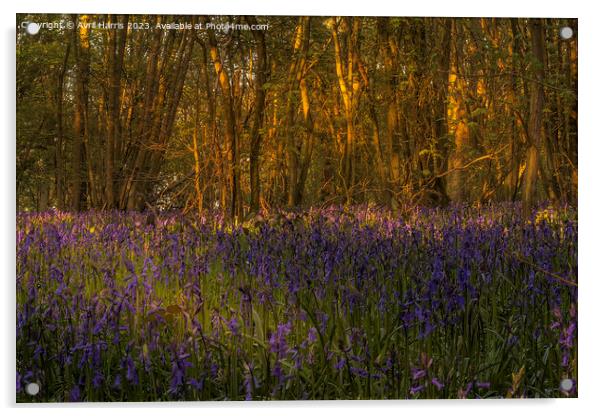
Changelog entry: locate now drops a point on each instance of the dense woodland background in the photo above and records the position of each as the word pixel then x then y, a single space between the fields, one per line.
pixel 313 111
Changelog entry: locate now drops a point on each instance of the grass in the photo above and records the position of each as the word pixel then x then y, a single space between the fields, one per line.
pixel 341 303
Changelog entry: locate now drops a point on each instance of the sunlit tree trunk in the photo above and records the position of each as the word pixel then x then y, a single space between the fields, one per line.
pixel 439 114
pixel 228 110
pixel 307 145
pixel 535 127
pixel 456 119
pixel 389 51
pixel 349 87
pixel 296 84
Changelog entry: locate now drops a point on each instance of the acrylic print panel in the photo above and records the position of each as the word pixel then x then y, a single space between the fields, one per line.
pixel 295 208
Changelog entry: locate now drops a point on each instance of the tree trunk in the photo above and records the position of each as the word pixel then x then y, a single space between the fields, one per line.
pixel 80 122
pixel 535 127
pixel 295 75
pixel 116 47
pixel 197 162
pixel 457 120
pixel 228 110
pixel 59 157
pixel 349 88
pixel 388 49
pixel 259 109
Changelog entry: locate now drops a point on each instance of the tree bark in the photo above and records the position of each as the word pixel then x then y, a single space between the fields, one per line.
pixel 457 120
pixel 349 88
pixel 228 110
pixel 296 76
pixel 389 51
pixel 259 110
pixel 116 47
pixel 535 126
pixel 59 157
pixel 80 122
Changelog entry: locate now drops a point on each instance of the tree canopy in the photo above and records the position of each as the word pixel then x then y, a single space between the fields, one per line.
pixel 240 113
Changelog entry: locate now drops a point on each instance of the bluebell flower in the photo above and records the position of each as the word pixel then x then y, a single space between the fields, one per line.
pixel 97 380
pixel 414 390
pixel 131 373
pixel 437 383
pixel 75 394
pixel 117 381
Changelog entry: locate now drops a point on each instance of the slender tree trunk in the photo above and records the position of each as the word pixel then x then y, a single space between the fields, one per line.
pixel 535 127
pixel 571 112
pixel 43 194
pixel 307 146
pixel 295 75
pixel 439 114
pixel 457 120
pixel 220 182
pixel 349 88
pixel 197 163
pixel 259 109
pixel 59 157
pixel 511 181
pixel 80 122
pixel 228 110
pixel 115 52
pixel 388 49
pixel 112 91
pixel 141 136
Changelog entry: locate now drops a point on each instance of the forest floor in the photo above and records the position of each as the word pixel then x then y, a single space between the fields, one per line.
pixel 337 303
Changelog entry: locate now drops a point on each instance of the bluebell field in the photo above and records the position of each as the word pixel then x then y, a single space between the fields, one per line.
pixel 335 303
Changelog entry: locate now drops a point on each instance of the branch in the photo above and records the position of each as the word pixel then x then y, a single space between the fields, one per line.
pixel 539 269
pixel 472 162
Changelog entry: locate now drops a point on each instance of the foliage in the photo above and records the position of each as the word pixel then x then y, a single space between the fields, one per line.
pixel 336 303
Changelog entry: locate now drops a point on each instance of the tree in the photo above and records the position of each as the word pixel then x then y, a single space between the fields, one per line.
pixel 230 128
pixel 115 56
pixel 457 118
pixel 313 111
pixel 536 100
pixel 261 75
pixel 349 85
